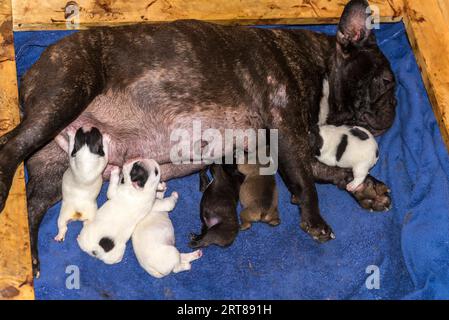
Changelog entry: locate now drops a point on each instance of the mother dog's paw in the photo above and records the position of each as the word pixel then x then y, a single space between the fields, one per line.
pixel 373 195
pixel 319 231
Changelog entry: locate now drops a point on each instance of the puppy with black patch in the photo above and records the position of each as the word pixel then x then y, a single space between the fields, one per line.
pixel 81 182
pixel 130 199
pixel 346 147
pixel 258 197
pixel 218 206
pixel 154 240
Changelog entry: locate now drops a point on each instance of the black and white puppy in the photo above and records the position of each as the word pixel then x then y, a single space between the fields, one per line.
pixel 346 147
pixel 218 206
pixel 81 183
pixel 130 199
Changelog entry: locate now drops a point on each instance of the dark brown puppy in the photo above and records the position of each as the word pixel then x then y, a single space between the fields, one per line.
pixel 218 206
pixel 258 196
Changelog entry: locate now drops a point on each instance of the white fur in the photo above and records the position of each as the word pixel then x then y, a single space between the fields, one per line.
pixel 127 204
pixel 324 104
pixel 154 241
pixel 360 155
pixel 81 184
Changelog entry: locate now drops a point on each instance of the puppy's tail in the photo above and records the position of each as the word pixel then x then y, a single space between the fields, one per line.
pixel 220 235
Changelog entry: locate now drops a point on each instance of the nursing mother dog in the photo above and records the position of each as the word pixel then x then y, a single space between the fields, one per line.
pixel 138 83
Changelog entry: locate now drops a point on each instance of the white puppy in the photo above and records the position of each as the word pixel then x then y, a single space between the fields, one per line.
pixel 129 200
pixel 81 183
pixel 346 147
pixel 154 241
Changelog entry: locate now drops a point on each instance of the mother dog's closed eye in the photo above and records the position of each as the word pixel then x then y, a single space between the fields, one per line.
pixel 226 76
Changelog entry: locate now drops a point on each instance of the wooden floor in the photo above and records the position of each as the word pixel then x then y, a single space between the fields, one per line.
pixel 426 23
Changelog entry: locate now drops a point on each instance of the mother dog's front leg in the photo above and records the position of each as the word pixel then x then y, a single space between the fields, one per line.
pixel 296 171
pixel 372 194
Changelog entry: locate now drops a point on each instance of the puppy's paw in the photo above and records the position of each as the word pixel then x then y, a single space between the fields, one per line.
pixel 162 187
pixel 295 199
pixel 132 160
pixel 194 244
pixel 245 226
pixel 193 236
pixel 71 131
pixel 160 191
pixel 195 241
pixel 175 195
pixel 353 186
pixel 59 238
pixel 274 222
pixel 115 170
pixel 319 231
pixel 198 253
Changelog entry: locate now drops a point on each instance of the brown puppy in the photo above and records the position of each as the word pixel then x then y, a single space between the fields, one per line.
pixel 220 224
pixel 258 196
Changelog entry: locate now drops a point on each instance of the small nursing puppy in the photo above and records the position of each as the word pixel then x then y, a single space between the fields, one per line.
pixel 258 197
pixel 154 240
pixel 346 147
pixel 218 206
pixel 81 182
pixel 130 199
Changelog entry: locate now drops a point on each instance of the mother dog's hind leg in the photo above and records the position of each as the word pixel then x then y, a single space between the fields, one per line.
pixel 53 93
pixel 44 189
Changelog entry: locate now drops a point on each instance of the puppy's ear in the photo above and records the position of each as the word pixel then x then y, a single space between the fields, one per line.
pixel 353 31
pixel 95 142
pixel 80 141
pixel 204 179
pixel 138 175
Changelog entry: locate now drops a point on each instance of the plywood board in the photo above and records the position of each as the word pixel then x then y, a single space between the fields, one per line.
pixel 15 260
pixel 428 31
pixel 58 14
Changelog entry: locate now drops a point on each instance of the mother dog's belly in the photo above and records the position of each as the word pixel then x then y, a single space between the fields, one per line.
pixel 152 131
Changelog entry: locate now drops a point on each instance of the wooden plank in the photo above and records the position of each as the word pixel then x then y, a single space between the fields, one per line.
pixel 428 30
pixel 15 258
pixel 54 14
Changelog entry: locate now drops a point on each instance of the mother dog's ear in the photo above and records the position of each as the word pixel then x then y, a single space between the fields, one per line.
pixel 353 29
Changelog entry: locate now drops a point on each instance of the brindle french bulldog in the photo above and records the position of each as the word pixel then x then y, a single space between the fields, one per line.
pixel 139 82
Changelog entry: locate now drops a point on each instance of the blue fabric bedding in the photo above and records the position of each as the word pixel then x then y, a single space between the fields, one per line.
pixel 409 244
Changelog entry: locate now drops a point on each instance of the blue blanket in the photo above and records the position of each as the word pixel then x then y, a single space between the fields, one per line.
pixel 409 245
